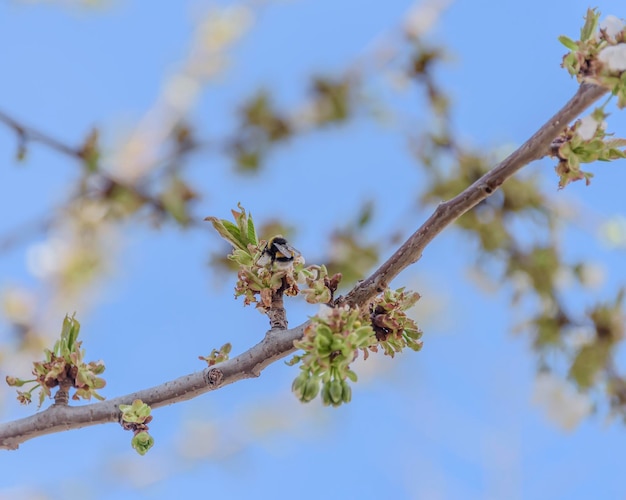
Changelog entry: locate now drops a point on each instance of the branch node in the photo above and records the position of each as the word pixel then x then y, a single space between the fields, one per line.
pixel 214 377
pixel 62 396
pixel 276 313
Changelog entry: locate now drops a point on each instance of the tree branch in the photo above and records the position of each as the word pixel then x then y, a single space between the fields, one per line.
pixel 276 345
pixel 26 134
pixel 279 343
pixel 447 212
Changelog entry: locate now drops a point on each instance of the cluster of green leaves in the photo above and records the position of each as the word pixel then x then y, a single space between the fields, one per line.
pixel 330 345
pixel 350 256
pixel 63 367
pixel 258 282
pixel 334 338
pixel 217 355
pixel 262 125
pixel 169 198
pixel 590 357
pixel 332 99
pixel 591 58
pixel 599 57
pixel 393 329
pixel 136 417
pixel 593 357
pixel 586 141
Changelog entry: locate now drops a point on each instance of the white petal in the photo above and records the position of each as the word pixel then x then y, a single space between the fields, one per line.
pixel 563 404
pixel 612 25
pixel 324 311
pixel 614 56
pixel 587 128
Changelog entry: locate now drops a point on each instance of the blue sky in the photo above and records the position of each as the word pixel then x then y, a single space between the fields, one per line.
pixel 453 421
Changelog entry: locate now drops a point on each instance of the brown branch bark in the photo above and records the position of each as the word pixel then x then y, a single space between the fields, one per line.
pixel 279 343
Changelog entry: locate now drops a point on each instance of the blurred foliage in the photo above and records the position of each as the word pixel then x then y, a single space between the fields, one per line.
pixel 348 252
pixel 332 100
pixel 263 126
pixel 260 126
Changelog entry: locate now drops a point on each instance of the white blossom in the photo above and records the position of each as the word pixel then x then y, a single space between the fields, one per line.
pixel 587 128
pixel 46 259
pixel 614 56
pixel 613 232
pixel 612 26
pixel 564 405
pixel 423 16
pixel 324 311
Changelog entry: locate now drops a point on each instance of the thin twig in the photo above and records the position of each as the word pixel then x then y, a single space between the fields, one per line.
pixel 26 134
pixel 279 343
pixel 108 182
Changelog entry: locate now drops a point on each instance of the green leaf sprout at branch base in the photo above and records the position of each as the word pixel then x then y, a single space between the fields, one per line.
pixel 217 355
pixel 136 418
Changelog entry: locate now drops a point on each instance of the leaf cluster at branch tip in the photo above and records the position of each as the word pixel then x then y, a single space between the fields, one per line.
pixel 258 281
pixel 63 367
pixel 599 56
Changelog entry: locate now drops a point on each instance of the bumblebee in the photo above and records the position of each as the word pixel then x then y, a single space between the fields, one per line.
pixel 279 253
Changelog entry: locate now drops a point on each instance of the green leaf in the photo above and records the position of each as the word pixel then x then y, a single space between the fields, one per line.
pixel 311 389
pixel 336 391
pixel 220 227
pixel 568 42
pixel 138 412
pixel 90 151
pixel 69 333
pixel 363 335
pixel 346 394
pixel 296 359
pixel 232 235
pixel 588 362
pixel 591 25
pixel 615 143
pixel 175 199
pixel 142 442
pixel 252 236
pixel 233 230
